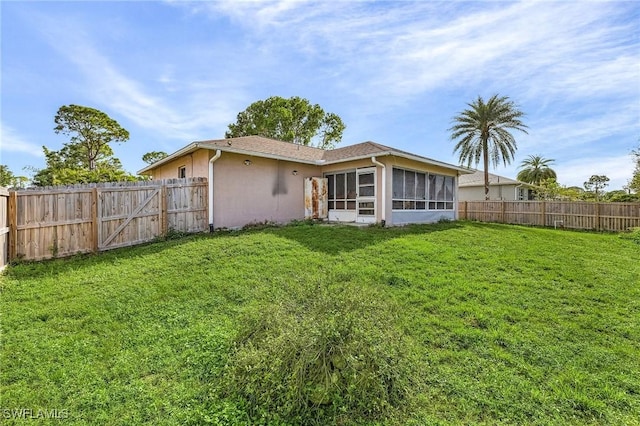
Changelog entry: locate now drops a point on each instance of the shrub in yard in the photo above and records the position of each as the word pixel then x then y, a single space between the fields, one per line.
pixel 323 354
pixel 634 235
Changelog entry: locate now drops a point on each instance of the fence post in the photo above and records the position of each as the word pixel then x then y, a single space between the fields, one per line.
pixel 597 216
pixel 543 212
pixel 502 206
pixel 13 224
pixel 466 206
pixel 164 228
pixel 95 223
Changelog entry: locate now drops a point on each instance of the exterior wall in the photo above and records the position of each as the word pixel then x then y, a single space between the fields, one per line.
pixel 196 165
pixel 266 190
pixel 350 215
pixel 400 217
pixel 496 192
pixel 426 216
pixel 385 212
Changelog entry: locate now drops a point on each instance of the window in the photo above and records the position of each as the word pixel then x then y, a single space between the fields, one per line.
pixel 182 172
pixel 341 190
pixel 525 194
pixel 366 184
pixel 522 194
pixel 422 191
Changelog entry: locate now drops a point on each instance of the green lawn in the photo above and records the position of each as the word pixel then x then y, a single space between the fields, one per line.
pixel 515 325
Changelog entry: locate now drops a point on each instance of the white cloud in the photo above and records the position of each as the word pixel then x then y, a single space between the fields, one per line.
pixel 11 141
pixel 557 55
pixel 577 170
pixel 565 131
pixel 109 86
pixel 410 47
pixel 618 169
pixel 573 66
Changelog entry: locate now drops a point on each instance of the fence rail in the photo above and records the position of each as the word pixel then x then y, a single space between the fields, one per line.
pixel 62 221
pixel 615 217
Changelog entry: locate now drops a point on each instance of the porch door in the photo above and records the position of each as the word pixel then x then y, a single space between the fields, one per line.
pixel 366 195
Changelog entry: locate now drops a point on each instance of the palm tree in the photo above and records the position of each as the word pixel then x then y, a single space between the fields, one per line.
pixel 535 169
pixel 483 133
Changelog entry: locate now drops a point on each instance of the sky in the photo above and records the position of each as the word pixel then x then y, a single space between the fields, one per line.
pixel 396 72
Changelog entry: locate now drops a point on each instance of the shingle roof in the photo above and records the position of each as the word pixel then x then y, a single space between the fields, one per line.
pixel 364 149
pixel 271 148
pixel 477 179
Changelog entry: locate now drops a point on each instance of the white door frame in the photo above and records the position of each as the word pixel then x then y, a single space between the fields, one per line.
pixel 367 202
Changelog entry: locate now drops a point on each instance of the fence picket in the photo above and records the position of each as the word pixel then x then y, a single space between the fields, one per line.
pixel 612 217
pixel 62 221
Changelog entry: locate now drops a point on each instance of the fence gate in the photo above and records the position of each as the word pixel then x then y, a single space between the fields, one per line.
pixel 129 215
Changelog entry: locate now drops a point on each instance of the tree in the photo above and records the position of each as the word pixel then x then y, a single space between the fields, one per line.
pixel 9 180
pixel 6 176
pixel 548 189
pixel 153 156
pixel 621 196
pixel 535 169
pixel 63 169
pixel 596 184
pixel 292 120
pixel 634 183
pixel 573 193
pixel 87 157
pixel 92 132
pixel 482 133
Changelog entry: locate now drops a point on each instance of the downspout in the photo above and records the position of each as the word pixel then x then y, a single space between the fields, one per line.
pixel 211 161
pixel 383 199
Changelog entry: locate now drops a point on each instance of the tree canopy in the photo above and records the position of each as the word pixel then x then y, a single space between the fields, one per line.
pixel 535 169
pixel 482 133
pixel 9 180
pixel 293 120
pixel 634 183
pixel 153 156
pixel 87 157
pixel 596 184
pixel 6 176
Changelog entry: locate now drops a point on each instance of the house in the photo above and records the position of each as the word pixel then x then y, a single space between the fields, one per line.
pixel 471 188
pixel 254 179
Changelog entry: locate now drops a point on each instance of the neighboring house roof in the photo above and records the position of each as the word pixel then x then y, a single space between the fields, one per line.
pixel 275 149
pixel 477 179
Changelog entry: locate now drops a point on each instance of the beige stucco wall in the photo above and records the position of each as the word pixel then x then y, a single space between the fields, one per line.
pixel 196 165
pixel 496 192
pixel 266 190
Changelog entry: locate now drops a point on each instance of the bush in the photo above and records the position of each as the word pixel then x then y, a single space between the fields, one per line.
pixel 323 354
pixel 634 235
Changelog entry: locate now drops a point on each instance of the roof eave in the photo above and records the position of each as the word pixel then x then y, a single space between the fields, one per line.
pixel 255 154
pixel 425 160
pixel 186 150
pixel 203 145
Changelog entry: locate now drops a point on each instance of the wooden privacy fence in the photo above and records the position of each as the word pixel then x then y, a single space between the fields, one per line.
pixel 62 221
pixel 615 217
pixel 4 227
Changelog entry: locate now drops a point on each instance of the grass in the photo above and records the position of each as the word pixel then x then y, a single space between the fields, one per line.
pixel 516 325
